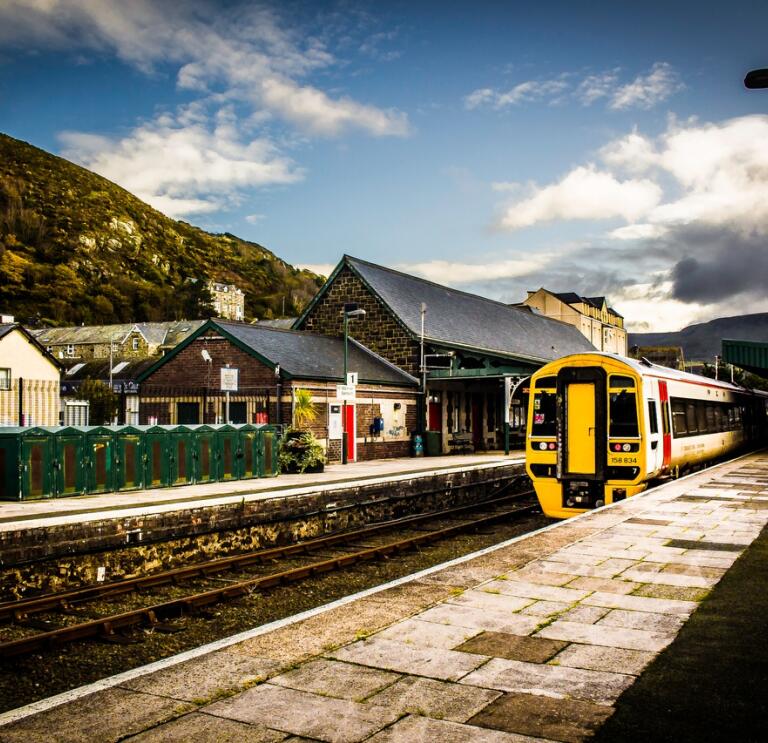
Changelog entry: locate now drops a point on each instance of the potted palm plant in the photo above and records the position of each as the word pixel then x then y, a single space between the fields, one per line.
pixel 301 452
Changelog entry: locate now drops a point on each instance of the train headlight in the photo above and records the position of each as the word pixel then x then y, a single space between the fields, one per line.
pixel 542 445
pixel 627 447
pixel 551 446
pixel 617 447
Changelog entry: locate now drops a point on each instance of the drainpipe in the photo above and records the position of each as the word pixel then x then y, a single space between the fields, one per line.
pixel 21 401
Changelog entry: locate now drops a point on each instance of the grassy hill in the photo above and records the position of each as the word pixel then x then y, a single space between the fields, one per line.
pixel 701 342
pixel 76 248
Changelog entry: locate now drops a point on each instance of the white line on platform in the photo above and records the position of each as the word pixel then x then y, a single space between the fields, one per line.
pixel 74 694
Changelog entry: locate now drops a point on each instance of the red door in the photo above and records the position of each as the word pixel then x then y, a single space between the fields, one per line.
pixel 665 427
pixel 435 416
pixel 349 431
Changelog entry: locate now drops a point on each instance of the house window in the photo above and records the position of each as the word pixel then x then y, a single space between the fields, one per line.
pixel 135 344
pixel 70 350
pixel 5 379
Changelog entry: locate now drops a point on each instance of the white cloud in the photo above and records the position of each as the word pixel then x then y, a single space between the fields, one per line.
pixel 243 54
pixel 638 232
pixel 183 165
pixel 453 273
pixel 255 218
pixel 649 307
pixel 645 91
pixel 584 193
pixel 525 92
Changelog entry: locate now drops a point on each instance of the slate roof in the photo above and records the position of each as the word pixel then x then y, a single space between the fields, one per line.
pixel 5 329
pixel 127 370
pixel 304 355
pixel 468 320
pixel 155 333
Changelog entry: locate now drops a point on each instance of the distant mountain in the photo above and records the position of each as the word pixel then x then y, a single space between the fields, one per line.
pixel 702 342
pixel 76 248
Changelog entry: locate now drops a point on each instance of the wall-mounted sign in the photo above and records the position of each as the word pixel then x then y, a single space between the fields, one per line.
pixel 229 380
pixel 352 379
pixel 334 421
pixel 345 391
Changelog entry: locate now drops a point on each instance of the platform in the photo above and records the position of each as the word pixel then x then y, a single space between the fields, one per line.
pixel 533 639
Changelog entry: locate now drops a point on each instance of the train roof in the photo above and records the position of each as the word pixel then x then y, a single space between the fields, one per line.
pixel 645 367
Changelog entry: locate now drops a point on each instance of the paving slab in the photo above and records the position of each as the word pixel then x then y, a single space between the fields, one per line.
pixel 201 727
pixel 567 720
pixel 617 637
pixel 427 634
pixel 105 716
pixel 535 591
pixel 412 729
pixel 513 647
pixel 553 681
pixel 202 679
pixel 481 619
pixel 546 608
pixel 601 658
pixel 333 679
pixel 604 584
pixel 641 603
pixel 437 699
pixel 490 598
pixel 662 623
pixel 389 655
pixel 301 713
pixel 585 614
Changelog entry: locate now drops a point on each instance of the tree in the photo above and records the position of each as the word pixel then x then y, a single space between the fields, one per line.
pixel 102 401
pixel 304 411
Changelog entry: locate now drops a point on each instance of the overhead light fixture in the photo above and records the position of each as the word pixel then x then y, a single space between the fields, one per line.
pixel 206 356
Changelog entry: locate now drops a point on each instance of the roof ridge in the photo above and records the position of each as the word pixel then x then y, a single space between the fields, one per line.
pixel 440 286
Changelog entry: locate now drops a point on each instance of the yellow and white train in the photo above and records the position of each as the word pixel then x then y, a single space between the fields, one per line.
pixel 600 427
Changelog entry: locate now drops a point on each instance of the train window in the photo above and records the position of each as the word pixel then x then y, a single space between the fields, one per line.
pixel 718 413
pixel 652 421
pixel 711 424
pixel 544 414
pixel 691 423
pixel 678 418
pixel 546 383
pixel 622 414
pixel 701 416
pixel 619 380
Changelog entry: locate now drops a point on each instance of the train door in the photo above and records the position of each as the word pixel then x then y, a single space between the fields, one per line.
pixel 654 453
pixel 581 429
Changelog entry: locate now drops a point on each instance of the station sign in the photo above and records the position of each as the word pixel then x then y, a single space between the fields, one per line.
pixel 352 379
pixel 229 380
pixel 346 391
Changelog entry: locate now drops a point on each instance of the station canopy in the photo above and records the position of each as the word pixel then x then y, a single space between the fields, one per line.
pixel 751 356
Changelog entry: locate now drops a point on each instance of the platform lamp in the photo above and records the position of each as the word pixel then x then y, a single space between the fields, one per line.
pixel 351 310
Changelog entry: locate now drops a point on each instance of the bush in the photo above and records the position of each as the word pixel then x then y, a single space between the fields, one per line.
pixel 301 452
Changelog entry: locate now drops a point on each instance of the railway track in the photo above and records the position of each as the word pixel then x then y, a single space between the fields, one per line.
pixel 52 620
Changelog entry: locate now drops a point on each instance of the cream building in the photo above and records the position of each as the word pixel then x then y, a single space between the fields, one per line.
pixel 228 301
pixel 28 375
pixel 598 322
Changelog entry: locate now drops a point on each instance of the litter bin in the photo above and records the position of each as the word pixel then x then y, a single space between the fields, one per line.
pixel 434 443
pixel 418 445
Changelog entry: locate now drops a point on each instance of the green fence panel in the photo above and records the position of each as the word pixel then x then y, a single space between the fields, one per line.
pixel 37 463
pixel 204 453
pixel 226 451
pixel 69 468
pixel 10 465
pixel 128 457
pixel 99 460
pixel 181 463
pixel 248 451
pixel 156 470
pixel 270 450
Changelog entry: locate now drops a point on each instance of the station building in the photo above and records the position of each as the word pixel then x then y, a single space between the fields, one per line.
pixel 469 344
pixel 266 366
pixel 29 380
pixel 599 323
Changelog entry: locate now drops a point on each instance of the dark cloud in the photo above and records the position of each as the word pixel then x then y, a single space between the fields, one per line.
pixel 718 263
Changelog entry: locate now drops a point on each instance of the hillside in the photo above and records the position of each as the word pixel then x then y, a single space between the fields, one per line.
pixel 702 342
pixel 76 248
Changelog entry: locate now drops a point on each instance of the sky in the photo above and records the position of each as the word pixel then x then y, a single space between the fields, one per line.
pixel 598 147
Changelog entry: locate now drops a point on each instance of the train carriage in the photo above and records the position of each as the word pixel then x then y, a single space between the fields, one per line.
pixel 600 427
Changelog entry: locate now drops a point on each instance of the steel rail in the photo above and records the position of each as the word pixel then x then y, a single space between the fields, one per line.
pixel 20 609
pixel 152 615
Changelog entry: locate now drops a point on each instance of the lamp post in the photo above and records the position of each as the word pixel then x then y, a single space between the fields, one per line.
pixel 350 310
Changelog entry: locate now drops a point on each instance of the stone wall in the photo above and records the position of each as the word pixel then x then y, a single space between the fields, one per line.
pixel 66 556
pixel 379 330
